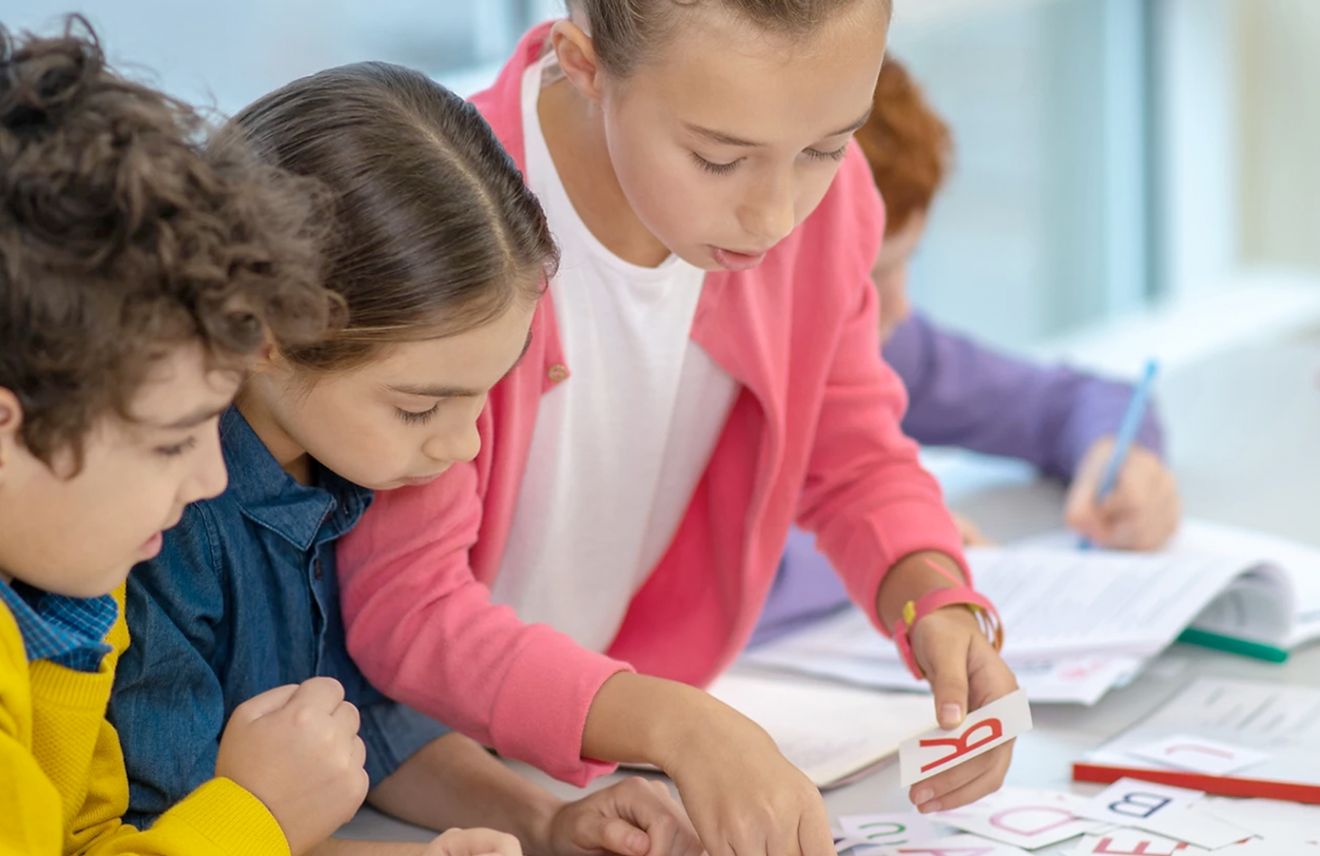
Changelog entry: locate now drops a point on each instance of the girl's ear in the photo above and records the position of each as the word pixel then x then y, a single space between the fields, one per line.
pixel 576 53
pixel 11 420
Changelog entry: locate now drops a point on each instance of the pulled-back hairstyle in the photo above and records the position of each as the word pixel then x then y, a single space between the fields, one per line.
pixel 121 239
pixel 907 144
pixel 434 230
pixel 626 32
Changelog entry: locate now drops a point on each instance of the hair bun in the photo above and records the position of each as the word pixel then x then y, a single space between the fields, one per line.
pixel 44 76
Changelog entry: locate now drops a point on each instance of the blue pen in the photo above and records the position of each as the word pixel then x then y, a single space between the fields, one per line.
pixel 1127 433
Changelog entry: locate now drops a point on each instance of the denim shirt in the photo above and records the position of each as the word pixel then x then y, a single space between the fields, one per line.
pixel 242 598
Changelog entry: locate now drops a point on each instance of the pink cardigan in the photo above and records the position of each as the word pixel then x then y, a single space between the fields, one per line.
pixel 813 437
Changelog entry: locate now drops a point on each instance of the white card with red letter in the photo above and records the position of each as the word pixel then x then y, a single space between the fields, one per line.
pixel 1198 754
pixel 1023 817
pixel 938 750
pixel 1130 842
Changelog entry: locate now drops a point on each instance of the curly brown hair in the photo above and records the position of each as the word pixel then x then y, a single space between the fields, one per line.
pixel 123 237
pixel 907 144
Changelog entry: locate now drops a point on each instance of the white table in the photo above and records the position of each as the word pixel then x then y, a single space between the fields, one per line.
pixel 1245 429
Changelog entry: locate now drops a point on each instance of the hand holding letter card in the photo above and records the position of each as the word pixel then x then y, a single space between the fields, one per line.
pixel 938 750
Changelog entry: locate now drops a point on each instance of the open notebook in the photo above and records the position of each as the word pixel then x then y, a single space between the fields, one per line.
pixel 1078 622
pixel 832 733
pixel 1272 591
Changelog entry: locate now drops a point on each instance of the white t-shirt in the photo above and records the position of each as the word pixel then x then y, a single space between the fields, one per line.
pixel 619 447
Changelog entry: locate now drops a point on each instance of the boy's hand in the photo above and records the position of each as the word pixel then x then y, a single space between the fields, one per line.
pixel 970 532
pixel 636 817
pixel 1142 511
pixel 474 842
pixel 296 749
pixel 965 673
pixel 744 797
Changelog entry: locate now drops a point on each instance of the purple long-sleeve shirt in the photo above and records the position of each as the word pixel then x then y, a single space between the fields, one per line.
pixel 967 395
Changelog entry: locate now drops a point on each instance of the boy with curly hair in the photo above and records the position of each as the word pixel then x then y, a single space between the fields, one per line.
pixel 138 275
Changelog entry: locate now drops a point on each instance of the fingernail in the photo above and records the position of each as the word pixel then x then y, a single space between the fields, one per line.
pixel 923 796
pixel 950 714
pixel 928 808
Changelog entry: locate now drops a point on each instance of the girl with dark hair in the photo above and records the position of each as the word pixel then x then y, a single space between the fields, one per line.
pixel 437 254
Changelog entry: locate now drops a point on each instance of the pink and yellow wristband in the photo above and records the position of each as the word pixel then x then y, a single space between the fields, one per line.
pixel 958 594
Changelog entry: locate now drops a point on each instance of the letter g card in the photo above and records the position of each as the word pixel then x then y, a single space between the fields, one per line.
pixel 938 750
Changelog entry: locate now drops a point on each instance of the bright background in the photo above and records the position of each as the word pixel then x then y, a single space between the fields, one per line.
pixel 1137 173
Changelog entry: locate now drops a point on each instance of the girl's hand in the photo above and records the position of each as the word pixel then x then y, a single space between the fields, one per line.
pixel 965 673
pixel 1142 511
pixel 970 532
pixel 744 797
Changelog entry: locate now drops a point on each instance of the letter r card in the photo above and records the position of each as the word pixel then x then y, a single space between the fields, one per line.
pixel 938 750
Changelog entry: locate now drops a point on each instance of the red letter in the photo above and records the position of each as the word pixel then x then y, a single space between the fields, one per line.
pixel 1065 817
pixel 960 744
pixel 1140 851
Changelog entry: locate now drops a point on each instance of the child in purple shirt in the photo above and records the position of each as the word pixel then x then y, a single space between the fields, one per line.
pixel 963 394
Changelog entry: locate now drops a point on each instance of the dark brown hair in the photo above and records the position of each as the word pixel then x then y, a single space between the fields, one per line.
pixel 435 231
pixel 626 32
pixel 907 144
pixel 121 239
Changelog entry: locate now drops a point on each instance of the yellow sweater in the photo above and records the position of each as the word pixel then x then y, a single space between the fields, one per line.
pixel 63 789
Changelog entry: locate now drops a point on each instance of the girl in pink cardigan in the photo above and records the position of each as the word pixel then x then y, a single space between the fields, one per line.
pixel 703 372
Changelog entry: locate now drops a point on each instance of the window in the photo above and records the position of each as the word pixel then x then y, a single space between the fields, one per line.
pixel 1043 224
pixel 225 54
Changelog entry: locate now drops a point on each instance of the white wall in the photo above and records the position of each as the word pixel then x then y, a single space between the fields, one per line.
pixel 1279 105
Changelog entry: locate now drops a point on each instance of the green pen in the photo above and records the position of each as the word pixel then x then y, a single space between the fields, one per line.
pixel 1233 645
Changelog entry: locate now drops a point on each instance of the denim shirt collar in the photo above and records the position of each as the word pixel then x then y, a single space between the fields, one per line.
pixel 266 494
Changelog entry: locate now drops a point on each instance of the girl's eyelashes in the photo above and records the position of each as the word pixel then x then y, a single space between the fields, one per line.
pixel 725 168
pixel 176 449
pixel 836 155
pixel 412 417
pixel 716 168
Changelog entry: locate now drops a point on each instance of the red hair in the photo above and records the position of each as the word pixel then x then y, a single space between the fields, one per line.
pixel 907 144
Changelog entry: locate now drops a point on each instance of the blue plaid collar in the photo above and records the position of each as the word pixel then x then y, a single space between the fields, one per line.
pixel 68 631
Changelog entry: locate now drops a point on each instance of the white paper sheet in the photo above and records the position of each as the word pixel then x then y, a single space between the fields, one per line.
pixel 829 732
